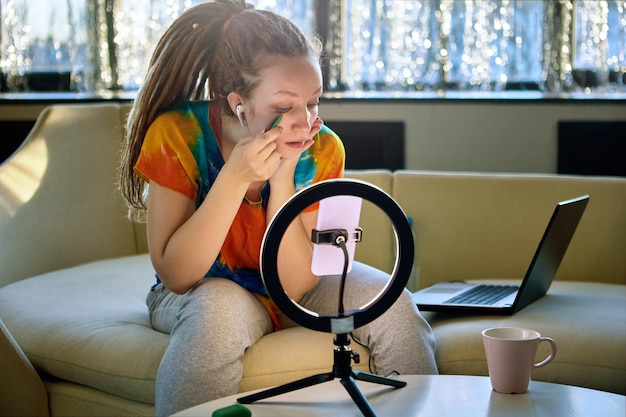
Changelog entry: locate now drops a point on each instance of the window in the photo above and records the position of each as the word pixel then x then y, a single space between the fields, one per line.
pixel 387 45
pixel 481 44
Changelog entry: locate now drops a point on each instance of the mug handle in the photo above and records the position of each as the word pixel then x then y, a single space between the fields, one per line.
pixel 552 352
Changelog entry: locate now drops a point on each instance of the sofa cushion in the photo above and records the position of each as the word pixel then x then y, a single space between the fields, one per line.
pixel 89 324
pixel 585 319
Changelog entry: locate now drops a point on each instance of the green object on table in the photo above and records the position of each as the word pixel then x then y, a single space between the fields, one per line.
pixel 236 410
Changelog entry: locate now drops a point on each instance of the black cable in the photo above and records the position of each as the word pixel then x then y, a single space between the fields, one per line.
pixel 341 242
pixel 339 239
pixel 366 347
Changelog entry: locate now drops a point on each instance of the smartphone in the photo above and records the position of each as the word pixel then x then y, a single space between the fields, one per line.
pixel 337 212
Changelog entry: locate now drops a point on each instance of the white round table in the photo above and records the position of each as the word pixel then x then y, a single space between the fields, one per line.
pixel 431 395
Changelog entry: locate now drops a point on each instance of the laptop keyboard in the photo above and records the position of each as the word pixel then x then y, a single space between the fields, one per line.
pixel 484 294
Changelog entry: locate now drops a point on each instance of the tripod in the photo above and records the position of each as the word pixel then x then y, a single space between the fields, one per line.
pixel 341 369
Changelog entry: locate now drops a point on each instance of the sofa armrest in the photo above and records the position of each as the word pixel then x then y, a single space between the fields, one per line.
pixel 22 392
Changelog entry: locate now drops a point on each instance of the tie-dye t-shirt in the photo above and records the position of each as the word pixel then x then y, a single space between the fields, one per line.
pixel 181 151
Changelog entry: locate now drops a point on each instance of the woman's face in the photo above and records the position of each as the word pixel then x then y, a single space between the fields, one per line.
pixel 291 87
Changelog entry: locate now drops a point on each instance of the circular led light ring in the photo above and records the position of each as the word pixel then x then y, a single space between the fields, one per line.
pixel 376 307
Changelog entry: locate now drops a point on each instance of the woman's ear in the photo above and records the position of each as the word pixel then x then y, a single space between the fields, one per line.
pixel 234 100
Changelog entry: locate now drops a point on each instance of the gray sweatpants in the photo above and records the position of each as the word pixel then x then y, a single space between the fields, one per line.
pixel 213 324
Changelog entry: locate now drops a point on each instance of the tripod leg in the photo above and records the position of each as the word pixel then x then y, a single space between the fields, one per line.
pixel 283 389
pixel 377 379
pixel 357 396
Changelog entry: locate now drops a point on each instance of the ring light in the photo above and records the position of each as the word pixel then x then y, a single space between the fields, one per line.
pixel 354 318
pixel 343 323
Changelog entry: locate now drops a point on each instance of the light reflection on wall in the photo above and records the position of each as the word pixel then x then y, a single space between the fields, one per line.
pixel 21 178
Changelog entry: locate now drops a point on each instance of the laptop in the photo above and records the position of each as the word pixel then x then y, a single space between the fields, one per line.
pixel 459 297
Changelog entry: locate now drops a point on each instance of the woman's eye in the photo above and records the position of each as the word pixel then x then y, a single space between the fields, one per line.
pixel 311 105
pixel 282 109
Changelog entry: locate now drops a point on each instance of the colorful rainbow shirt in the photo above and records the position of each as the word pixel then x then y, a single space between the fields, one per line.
pixel 181 151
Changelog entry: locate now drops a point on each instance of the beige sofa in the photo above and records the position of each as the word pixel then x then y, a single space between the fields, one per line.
pixel 74 332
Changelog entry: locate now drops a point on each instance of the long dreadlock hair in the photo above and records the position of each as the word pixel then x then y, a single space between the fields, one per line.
pixel 211 50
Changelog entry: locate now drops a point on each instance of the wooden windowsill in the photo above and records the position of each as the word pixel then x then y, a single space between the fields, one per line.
pixel 366 96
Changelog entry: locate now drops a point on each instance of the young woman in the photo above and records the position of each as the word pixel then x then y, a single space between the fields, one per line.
pixel 201 135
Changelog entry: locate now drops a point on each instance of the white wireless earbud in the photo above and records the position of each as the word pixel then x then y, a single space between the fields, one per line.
pixel 239 111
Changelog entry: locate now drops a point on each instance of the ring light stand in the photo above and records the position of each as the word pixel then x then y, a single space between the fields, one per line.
pixel 344 322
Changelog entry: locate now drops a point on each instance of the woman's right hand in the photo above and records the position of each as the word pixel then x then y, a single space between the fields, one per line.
pixel 254 158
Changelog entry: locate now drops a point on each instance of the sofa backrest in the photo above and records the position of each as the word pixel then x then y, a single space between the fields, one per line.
pixel 139 228
pixel 59 203
pixel 60 206
pixel 480 226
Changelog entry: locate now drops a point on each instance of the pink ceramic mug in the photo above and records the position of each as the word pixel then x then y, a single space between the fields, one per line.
pixel 511 355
